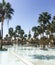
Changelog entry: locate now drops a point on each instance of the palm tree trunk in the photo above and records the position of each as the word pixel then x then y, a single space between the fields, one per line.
pixel 1 35
pixel 2 30
pixel 8 25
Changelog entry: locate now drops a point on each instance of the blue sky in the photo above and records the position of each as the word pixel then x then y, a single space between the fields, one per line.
pixel 27 12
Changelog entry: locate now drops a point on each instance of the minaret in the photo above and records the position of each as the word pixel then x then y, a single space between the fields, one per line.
pixel 29 35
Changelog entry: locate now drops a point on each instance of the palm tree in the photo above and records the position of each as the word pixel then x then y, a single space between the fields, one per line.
pixel 11 32
pixel 44 18
pixel 6 37
pixel 53 24
pixel 39 30
pixel 52 30
pixel 14 35
pixel 35 35
pixel 25 38
pixel 5 13
pixel 21 35
pixel 18 28
pixel 53 21
pixel 43 41
pixel 47 33
pixel 9 13
pixel 34 29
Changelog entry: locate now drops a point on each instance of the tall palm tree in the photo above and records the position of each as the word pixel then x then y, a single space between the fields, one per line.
pixel 10 12
pixel 44 18
pixel 6 12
